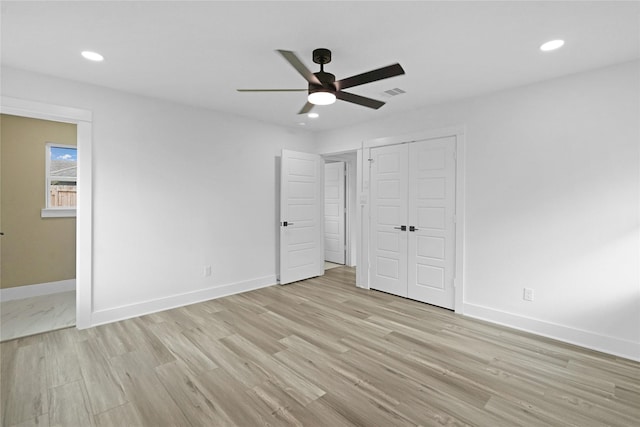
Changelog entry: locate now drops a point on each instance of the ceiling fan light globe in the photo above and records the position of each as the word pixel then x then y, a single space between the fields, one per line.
pixel 322 98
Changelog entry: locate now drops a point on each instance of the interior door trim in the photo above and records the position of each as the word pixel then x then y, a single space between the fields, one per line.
pixel 84 215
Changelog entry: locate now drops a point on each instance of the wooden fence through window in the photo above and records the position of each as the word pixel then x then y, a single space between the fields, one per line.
pixel 62 196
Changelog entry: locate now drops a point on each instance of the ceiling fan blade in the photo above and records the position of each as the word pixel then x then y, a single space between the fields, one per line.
pixel 293 59
pixel 360 100
pixel 272 90
pixel 307 107
pixel 370 76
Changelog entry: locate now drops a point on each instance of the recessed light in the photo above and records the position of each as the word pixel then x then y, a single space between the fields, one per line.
pixel 302 124
pixel 313 115
pixel 92 56
pixel 552 45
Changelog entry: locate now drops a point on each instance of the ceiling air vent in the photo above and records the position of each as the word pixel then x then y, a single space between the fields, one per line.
pixel 394 92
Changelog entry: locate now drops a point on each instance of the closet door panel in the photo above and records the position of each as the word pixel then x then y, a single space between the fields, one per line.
pixel 388 184
pixel 431 209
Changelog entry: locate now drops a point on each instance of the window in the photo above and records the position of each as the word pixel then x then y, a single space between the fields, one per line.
pixel 61 181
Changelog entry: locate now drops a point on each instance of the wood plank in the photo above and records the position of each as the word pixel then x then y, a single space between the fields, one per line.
pixel 114 340
pixel 61 360
pixel 309 331
pixel 170 334
pixel 318 413
pixel 25 394
pixel 8 372
pixel 249 327
pixel 280 404
pixel 40 421
pixel 121 416
pixel 345 399
pixel 242 406
pixel 145 391
pixel 69 406
pixel 148 341
pixel 295 385
pixel 103 387
pixel 246 372
pixel 274 295
pixel 198 406
pixel 342 321
pixel 176 316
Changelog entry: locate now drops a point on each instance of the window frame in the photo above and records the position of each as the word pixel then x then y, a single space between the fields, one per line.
pixel 51 211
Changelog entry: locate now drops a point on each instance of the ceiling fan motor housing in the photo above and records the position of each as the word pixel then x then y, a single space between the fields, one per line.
pixel 327 80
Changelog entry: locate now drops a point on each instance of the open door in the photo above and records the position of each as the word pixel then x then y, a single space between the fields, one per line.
pixel 301 216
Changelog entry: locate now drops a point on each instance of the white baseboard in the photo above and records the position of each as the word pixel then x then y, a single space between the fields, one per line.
pixel 591 340
pixel 110 315
pixel 20 292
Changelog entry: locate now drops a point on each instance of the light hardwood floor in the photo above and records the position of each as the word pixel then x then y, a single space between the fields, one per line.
pixel 329 265
pixel 316 353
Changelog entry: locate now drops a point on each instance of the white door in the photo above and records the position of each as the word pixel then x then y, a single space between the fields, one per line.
pixel 431 233
pixel 334 212
pixel 412 240
pixel 388 242
pixel 301 216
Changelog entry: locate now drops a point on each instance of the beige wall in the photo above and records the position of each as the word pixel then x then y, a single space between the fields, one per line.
pixel 34 249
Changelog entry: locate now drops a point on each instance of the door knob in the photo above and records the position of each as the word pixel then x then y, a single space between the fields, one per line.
pixel 286 224
pixel 412 228
pixel 402 227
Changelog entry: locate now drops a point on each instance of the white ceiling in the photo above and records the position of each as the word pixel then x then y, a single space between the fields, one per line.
pixel 199 52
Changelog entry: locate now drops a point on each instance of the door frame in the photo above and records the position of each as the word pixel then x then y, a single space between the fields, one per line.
pixel 351 223
pixel 84 216
pixel 363 268
pixel 345 202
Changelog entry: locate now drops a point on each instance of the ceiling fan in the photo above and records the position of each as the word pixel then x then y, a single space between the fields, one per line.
pixel 324 89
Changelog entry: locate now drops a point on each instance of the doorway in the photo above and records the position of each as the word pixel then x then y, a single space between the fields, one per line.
pixel 37 214
pixel 340 206
pixel 82 119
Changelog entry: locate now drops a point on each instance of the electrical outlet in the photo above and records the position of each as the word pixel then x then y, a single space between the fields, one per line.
pixel 207 271
pixel 528 294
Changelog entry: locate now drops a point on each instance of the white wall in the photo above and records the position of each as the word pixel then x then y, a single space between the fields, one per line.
pixel 552 203
pixel 552 186
pixel 175 188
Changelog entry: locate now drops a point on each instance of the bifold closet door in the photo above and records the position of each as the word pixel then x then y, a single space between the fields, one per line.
pixel 431 253
pixel 388 210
